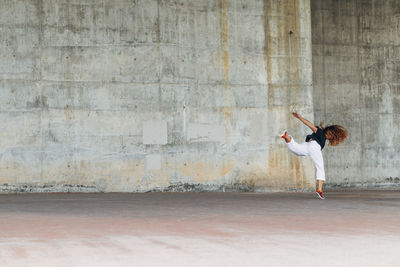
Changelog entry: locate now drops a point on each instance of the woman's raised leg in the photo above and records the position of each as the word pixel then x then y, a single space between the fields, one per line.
pixel 296 148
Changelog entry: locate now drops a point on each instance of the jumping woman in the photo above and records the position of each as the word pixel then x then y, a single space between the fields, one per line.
pixel 314 144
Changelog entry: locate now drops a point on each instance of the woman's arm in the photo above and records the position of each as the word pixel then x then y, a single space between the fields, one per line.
pixel 305 121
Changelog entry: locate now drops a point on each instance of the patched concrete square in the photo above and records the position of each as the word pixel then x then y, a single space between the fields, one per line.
pixel 155 132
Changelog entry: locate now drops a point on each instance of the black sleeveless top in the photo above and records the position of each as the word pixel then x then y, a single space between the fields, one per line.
pixel 318 136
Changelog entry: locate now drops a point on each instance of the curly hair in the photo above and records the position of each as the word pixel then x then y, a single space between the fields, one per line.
pixel 337 134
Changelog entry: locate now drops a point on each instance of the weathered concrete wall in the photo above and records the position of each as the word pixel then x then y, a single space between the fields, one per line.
pixel 356 74
pixel 139 95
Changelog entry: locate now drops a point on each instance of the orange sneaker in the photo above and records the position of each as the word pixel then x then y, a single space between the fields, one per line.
pixel 283 135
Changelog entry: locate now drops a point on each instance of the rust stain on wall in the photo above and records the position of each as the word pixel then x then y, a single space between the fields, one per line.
pixel 286 171
pixel 202 172
pixel 293 60
pixel 227 111
pixel 279 174
pixel 226 168
pixel 68 113
pixel 267 61
pixel 299 177
pixel 225 47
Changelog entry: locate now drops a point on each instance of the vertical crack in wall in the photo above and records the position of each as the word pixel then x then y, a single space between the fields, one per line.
pixel 39 5
pixel 362 147
pixel 296 85
pixel 227 111
pixel 158 36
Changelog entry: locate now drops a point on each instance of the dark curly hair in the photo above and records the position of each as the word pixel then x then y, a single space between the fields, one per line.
pixel 336 133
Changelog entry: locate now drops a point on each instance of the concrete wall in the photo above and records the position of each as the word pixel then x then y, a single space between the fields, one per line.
pixel 356 74
pixel 141 95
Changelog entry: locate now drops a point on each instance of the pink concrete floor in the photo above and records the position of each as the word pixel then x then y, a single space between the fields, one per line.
pixel 201 229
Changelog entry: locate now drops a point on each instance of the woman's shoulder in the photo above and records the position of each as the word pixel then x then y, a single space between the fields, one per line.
pixel 320 131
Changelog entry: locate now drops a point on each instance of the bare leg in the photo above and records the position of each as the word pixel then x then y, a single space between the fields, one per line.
pixel 320 183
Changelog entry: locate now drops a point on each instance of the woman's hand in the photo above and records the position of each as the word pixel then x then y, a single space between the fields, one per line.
pixel 296 115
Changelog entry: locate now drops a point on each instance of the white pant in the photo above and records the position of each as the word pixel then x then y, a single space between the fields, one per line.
pixel 313 150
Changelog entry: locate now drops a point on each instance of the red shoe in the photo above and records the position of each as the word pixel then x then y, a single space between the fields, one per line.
pixel 320 195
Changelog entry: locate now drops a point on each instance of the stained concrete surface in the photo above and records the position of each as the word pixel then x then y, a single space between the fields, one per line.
pixel 133 96
pixel 349 228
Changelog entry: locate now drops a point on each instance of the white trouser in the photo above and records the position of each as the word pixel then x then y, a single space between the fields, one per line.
pixel 313 150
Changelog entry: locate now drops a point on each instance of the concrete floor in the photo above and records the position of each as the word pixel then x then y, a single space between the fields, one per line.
pixel 200 229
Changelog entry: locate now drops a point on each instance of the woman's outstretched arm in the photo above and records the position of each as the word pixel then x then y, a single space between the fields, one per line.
pixel 305 121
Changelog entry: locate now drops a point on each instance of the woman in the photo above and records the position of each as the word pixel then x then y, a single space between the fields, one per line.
pixel 314 144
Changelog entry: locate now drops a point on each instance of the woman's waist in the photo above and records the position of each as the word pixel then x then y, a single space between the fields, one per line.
pixel 313 141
